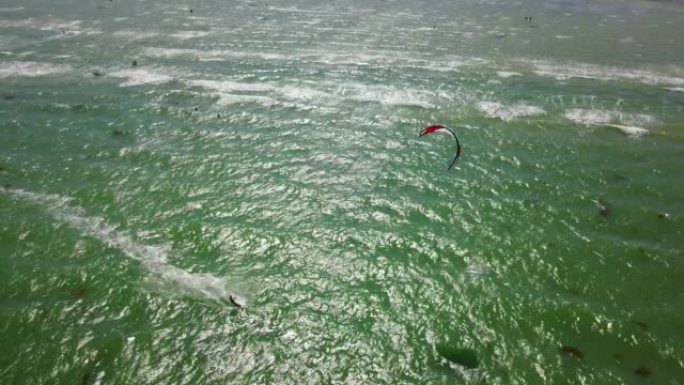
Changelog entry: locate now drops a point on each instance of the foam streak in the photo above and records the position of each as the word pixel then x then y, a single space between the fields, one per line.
pixel 152 258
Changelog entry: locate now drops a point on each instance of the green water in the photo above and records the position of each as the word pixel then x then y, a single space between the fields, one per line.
pixel 270 151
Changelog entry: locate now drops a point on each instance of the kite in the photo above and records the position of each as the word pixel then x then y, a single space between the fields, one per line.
pixel 446 130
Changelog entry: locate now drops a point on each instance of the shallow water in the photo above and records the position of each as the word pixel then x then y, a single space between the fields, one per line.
pixel 271 151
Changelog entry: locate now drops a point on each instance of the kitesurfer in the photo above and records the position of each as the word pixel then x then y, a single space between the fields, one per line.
pixel 233 300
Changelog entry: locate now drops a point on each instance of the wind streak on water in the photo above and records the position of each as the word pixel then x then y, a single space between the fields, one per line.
pixel 152 258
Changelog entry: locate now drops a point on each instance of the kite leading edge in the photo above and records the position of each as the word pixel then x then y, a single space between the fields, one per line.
pixel 446 130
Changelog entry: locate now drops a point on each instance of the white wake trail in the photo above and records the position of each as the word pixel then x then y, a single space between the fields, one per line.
pixel 152 258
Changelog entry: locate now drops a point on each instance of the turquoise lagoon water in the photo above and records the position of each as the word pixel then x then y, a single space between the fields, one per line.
pixel 270 150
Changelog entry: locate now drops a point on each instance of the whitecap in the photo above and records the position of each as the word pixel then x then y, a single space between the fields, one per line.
pixel 231 86
pixel 267 93
pixel 389 95
pixel 184 35
pixel 31 69
pixel 564 71
pixel 212 55
pixel 42 24
pixel 508 113
pixel 628 123
pixel 226 99
pixel 129 34
pixel 507 74
pixel 136 77
pixel 380 58
pixel 630 130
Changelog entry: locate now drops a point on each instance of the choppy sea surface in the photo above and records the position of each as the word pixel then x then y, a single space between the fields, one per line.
pixel 269 150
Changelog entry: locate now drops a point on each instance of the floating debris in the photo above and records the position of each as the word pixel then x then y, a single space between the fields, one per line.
pixel 78 293
pixel 94 356
pixel 603 208
pixel 572 351
pixel 97 74
pixel 664 216
pixel 619 178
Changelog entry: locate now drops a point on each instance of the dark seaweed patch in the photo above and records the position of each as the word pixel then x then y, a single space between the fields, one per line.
pixel 85 379
pixel 464 357
pixel 78 293
pixel 643 371
pixel 572 351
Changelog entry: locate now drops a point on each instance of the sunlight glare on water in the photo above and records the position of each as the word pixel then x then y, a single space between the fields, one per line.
pixel 157 158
